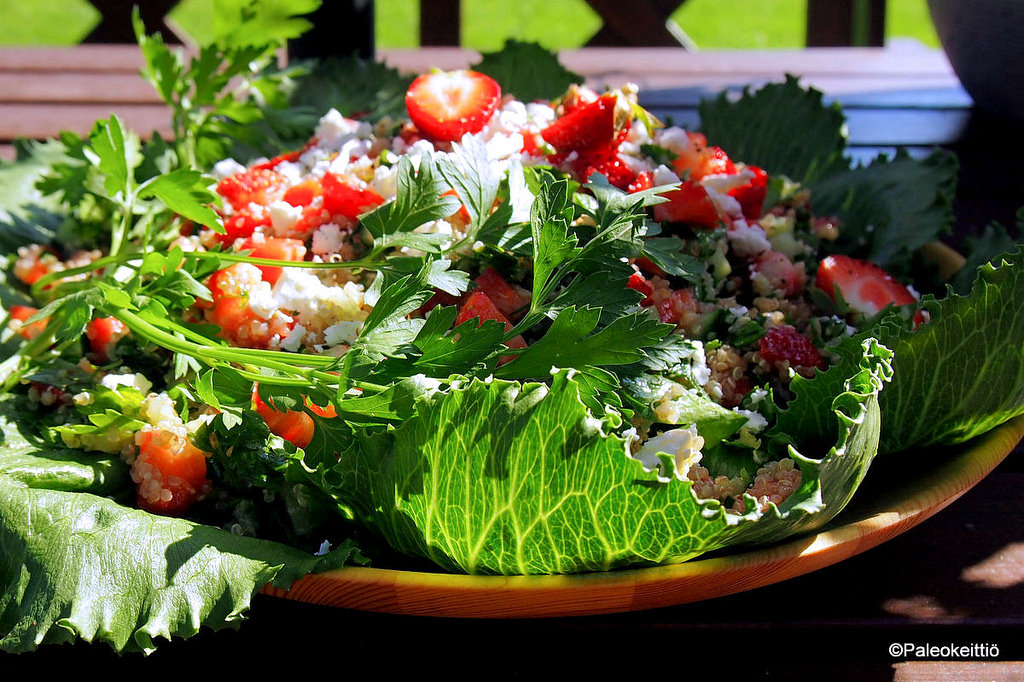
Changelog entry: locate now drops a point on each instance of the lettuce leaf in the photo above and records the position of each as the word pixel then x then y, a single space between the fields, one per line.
pixel 960 374
pixel 501 477
pixel 74 564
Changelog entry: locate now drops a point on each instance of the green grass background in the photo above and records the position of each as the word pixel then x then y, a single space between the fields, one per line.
pixel 556 24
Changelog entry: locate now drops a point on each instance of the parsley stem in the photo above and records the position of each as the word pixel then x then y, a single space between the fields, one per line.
pixel 212 354
pixel 40 284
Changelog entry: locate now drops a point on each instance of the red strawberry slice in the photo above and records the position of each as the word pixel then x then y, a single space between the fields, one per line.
pixel 864 286
pixel 243 223
pixel 785 344
pixel 751 196
pixel 251 186
pixel 689 203
pixel 606 161
pixel 504 296
pixel 596 124
pixel 344 199
pixel 479 305
pixel 274 248
pixel 445 105
pixel 701 159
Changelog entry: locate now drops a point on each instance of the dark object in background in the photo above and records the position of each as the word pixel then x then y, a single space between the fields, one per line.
pixel 982 40
pixel 340 27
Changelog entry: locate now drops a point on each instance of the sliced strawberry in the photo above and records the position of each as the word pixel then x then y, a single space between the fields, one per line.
pixel 640 283
pixel 594 124
pixel 676 305
pixel 785 344
pixel 20 313
pixel 700 159
pixel 103 333
pixel 251 186
pixel 274 248
pixel 752 195
pixel 607 162
pixel 242 224
pixel 505 297
pixel 774 271
pixel 689 203
pixel 344 199
pixel 291 157
pixel 478 305
pixel 445 105
pixel 303 193
pixel 643 180
pixel 169 471
pixel 864 286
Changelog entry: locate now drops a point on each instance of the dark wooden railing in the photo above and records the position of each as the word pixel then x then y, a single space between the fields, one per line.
pixel 348 25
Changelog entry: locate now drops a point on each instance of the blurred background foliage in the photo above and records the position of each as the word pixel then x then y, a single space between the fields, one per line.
pixel 556 24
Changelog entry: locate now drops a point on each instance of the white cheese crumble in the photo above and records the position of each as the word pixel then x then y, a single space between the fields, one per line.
pixel 683 445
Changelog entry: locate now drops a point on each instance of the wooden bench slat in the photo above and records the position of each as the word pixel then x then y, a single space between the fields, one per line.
pixel 32 121
pixel 117 58
pixel 60 88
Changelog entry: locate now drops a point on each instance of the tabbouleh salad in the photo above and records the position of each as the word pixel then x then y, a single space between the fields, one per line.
pixel 491 330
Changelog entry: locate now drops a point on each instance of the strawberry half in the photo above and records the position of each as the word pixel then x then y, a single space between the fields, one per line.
pixel 445 105
pixel 596 124
pixel 864 286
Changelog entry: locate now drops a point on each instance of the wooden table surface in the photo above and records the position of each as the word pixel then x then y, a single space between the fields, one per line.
pixel 956 579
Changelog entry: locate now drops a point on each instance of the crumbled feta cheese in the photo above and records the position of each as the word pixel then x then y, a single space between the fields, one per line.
pixel 283 215
pixel 293 342
pixel 136 381
pixel 328 239
pixel 227 168
pixel 261 300
pixel 344 332
pixel 747 240
pixel 683 445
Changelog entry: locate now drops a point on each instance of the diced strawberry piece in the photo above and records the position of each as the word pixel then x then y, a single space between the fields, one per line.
pixel 607 162
pixel 647 266
pixel 785 344
pixel 439 298
pixel 49 395
pixel 169 471
pixel 774 271
pixel 638 282
pixel 274 248
pixel 594 124
pixel 463 211
pixel 20 313
pixel 478 305
pixel 445 105
pixel 674 308
pixel 291 157
pixel 505 297
pixel 251 186
pixel 242 224
pixel 644 180
pixel 751 196
pixel 103 333
pixel 864 286
pixel 689 203
pixel 700 159
pixel 349 201
pixel 303 193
